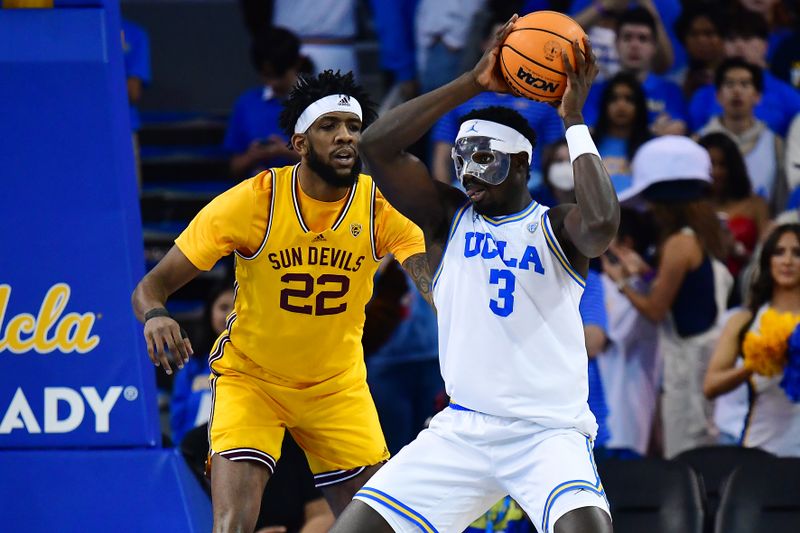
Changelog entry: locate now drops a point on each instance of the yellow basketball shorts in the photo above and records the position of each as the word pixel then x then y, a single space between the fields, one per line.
pixel 334 422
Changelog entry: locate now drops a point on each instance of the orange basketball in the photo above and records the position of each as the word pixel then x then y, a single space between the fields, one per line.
pixel 530 57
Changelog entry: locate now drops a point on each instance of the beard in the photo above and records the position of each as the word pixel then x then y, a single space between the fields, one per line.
pixel 328 173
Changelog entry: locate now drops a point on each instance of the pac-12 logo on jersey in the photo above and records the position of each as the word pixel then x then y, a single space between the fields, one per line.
pixel 485 246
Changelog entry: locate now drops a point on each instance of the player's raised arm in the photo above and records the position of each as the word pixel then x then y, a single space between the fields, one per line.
pixel 404 179
pixel 586 229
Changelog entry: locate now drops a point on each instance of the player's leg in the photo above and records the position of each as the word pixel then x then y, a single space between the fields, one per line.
pixel 583 520
pixel 236 491
pixel 551 473
pixel 246 429
pixel 440 482
pixel 341 494
pixel 340 435
pixel 359 517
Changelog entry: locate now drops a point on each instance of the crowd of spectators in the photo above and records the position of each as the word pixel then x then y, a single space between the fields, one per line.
pixel 696 114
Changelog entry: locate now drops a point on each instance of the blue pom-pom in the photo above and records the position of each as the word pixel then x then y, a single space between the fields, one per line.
pixel 791 374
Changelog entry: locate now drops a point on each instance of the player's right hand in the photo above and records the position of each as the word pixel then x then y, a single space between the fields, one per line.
pixel 487 72
pixel 161 332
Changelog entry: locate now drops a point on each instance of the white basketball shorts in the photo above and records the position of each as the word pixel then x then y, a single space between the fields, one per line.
pixel 465 462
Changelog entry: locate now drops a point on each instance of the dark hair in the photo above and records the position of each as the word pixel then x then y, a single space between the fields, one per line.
pixel 309 89
pixel 636 16
pixel 737 62
pixel 640 132
pixel 276 47
pixel 737 183
pixel 639 227
pixel 505 116
pixel 206 335
pixel 699 215
pixel 746 23
pixel 695 11
pixel 761 289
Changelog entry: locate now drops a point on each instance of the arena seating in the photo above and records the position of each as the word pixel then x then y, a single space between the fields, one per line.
pixel 653 496
pixel 714 465
pixel 761 497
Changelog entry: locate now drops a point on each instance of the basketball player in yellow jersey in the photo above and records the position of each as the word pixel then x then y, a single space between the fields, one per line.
pixel 308 240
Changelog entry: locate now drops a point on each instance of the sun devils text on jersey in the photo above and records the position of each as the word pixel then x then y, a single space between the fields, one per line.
pixel 304 269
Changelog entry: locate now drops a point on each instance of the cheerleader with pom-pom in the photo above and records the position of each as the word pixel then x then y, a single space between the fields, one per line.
pixel 766 335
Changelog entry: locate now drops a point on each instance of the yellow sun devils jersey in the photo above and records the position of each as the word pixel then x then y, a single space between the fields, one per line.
pixel 300 293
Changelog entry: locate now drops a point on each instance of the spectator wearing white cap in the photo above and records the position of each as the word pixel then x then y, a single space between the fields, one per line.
pixel 671 174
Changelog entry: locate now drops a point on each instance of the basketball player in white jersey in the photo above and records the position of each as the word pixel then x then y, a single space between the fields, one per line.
pixel 509 277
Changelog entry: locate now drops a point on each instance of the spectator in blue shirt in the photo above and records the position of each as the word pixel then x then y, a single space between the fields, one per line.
pixel 254 138
pixel 636 44
pixel 778 17
pixel 699 28
pixel 394 26
pixel 622 127
pixel 136 54
pixel 746 37
pixel 598 17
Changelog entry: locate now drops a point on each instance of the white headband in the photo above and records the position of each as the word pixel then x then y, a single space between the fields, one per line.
pixel 504 139
pixel 327 104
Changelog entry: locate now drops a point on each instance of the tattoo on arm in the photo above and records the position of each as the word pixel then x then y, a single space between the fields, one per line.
pixel 417 267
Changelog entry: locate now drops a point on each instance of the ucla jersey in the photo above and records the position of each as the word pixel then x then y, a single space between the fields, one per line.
pixel 511 339
pixel 300 298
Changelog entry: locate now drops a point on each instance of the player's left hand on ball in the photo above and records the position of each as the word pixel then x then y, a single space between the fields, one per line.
pixel 579 79
pixel 487 72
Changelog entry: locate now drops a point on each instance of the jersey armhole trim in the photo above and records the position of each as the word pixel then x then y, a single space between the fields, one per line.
pixel 269 222
pixel 453 226
pixel 555 248
pixel 372 239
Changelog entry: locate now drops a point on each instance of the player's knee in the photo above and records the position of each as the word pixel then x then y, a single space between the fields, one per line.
pixel 359 517
pixel 584 520
pixel 341 494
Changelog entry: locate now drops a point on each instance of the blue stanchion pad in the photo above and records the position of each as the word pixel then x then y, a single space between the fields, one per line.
pixel 89 491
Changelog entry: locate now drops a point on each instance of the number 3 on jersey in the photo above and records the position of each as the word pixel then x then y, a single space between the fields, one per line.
pixel 506 282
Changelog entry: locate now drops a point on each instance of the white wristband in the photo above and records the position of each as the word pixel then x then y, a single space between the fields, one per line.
pixel 579 142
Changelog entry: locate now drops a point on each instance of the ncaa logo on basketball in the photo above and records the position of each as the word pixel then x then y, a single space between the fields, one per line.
pixel 355 229
pixel 536 83
pixel 532 227
pixel 551 50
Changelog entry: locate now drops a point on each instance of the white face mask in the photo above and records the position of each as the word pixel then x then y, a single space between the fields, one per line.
pixel 474 156
pixel 560 176
pixel 483 149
